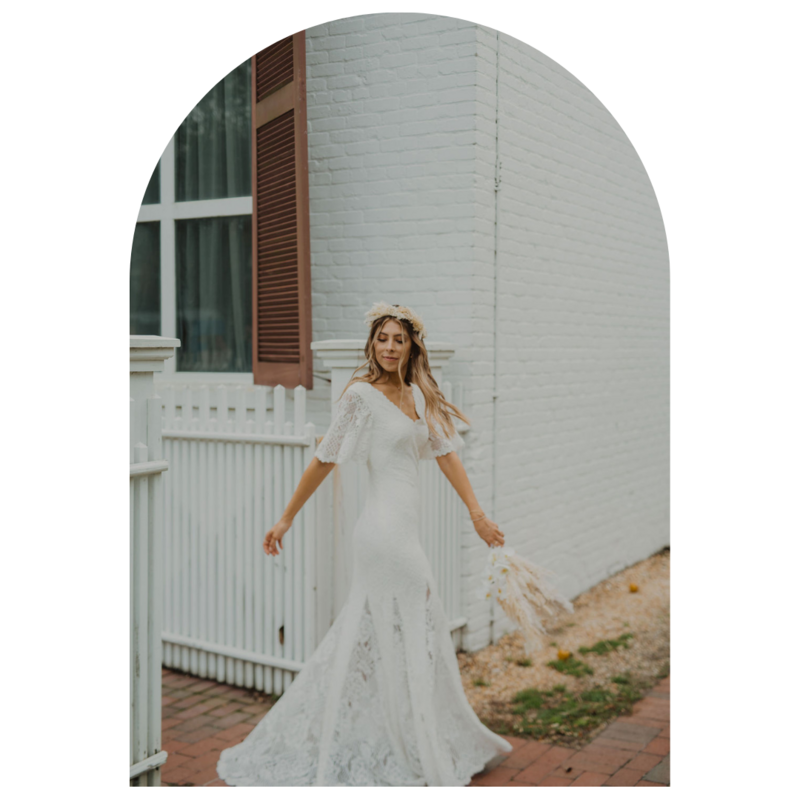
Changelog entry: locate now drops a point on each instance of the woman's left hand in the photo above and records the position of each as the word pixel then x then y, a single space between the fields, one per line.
pixel 489 532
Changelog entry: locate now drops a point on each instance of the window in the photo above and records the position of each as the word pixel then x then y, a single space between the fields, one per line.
pixel 214 276
pixel 193 274
pixel 146 279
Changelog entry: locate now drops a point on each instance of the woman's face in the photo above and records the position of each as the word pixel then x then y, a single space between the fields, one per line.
pixel 389 348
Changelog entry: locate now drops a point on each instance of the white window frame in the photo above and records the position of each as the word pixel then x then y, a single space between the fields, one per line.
pixel 166 212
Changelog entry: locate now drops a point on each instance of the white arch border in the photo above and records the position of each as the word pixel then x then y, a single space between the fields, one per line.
pixel 678 315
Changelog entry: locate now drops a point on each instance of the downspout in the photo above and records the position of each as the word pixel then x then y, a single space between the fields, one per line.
pixel 495 449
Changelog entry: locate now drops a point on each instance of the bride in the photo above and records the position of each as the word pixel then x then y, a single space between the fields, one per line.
pixel 380 701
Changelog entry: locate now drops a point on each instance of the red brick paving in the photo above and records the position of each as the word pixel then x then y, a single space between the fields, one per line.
pixel 590 779
pixel 659 746
pixel 619 744
pixel 205 732
pixel 625 777
pixel 524 753
pixel 499 776
pixel 202 717
pixel 546 763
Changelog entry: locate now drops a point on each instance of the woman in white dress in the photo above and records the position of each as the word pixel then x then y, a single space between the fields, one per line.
pixel 380 701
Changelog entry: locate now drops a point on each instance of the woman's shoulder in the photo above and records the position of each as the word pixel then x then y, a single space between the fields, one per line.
pixel 357 386
pixel 358 391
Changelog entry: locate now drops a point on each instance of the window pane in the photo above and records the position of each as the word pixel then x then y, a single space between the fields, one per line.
pixel 146 279
pixel 152 194
pixel 212 145
pixel 213 282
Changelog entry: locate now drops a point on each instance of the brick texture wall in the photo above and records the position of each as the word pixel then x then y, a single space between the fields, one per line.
pixel 462 172
pixel 583 325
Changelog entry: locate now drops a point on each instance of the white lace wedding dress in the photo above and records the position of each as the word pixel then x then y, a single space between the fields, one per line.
pixel 380 701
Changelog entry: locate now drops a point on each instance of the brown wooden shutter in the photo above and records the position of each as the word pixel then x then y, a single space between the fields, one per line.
pixel 281 246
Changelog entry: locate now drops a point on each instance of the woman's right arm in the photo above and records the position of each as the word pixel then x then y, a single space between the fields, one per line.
pixel 315 473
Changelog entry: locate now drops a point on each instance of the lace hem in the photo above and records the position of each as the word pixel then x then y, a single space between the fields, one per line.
pixel 439 444
pixel 389 729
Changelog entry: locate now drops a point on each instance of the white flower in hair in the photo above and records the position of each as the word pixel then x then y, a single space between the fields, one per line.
pixel 382 309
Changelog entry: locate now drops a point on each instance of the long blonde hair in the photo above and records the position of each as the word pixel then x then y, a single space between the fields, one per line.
pixel 415 369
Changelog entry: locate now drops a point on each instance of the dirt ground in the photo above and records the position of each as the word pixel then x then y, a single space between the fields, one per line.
pixel 606 611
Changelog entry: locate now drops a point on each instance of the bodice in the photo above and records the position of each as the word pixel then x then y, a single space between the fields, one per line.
pixel 369 428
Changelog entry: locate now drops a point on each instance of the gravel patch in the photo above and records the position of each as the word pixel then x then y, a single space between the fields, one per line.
pixel 606 611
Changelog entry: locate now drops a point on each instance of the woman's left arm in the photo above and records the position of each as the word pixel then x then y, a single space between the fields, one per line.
pixel 450 464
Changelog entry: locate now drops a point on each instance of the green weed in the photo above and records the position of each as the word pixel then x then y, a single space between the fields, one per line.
pixel 571 666
pixel 607 645
pixel 569 715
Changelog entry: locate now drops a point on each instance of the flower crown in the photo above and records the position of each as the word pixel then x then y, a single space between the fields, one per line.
pixel 381 309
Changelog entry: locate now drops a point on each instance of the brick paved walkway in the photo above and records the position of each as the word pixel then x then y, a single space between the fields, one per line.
pixel 202 717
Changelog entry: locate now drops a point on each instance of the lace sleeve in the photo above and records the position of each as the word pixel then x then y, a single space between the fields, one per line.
pixel 348 437
pixel 439 444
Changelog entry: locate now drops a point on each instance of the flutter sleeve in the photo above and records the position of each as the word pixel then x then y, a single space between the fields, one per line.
pixel 348 438
pixel 439 444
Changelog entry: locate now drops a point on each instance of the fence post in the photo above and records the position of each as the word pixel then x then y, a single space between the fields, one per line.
pixel 147 355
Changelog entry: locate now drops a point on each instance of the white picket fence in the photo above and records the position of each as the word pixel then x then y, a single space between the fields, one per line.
pixel 230 612
pixel 147 466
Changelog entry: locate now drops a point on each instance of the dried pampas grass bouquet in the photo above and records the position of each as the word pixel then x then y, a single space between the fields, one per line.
pixel 524 592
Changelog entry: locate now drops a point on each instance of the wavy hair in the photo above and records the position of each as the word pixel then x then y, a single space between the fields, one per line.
pixel 415 369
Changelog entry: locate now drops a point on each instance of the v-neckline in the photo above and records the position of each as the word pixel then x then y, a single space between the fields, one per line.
pixel 394 405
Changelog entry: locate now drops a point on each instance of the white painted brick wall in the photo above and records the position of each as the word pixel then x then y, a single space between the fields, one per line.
pixel 402 147
pixel 583 336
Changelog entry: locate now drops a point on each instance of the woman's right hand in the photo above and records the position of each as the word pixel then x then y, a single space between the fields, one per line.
pixel 489 532
pixel 272 541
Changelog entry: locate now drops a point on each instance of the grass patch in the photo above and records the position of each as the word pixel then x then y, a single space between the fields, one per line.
pixel 528 698
pixel 480 682
pixel 503 728
pixel 664 671
pixel 607 645
pixel 569 715
pixel 524 662
pixel 571 666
